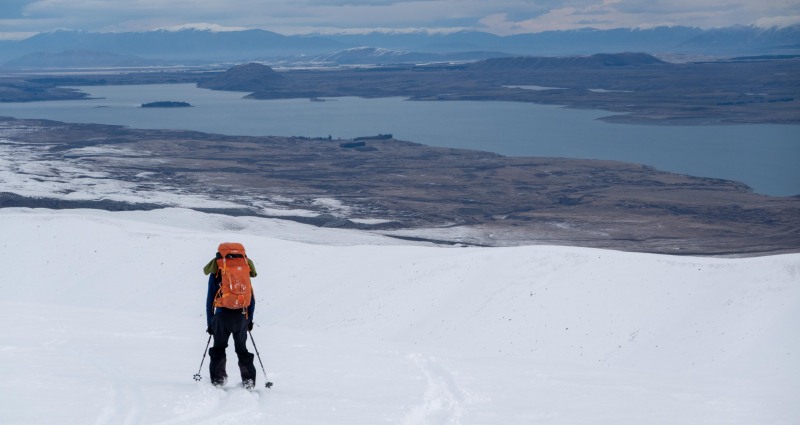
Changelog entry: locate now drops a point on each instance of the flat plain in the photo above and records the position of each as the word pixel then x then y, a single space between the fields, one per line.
pixel 405 189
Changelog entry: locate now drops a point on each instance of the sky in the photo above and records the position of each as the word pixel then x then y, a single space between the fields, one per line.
pixel 23 18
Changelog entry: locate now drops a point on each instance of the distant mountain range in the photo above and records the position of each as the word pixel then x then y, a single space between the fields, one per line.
pixel 174 46
pixel 67 48
pixel 78 59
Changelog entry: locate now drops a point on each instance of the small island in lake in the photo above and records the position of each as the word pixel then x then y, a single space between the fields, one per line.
pixel 166 104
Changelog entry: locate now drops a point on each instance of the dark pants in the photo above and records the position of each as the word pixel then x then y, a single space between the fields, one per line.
pixel 227 322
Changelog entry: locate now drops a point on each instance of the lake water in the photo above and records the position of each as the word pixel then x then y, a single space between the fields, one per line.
pixel 764 156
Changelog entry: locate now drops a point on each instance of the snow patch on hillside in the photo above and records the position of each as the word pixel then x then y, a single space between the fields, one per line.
pixel 357 328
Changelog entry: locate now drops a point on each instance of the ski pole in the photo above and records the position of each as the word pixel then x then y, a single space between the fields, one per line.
pixel 268 384
pixel 197 376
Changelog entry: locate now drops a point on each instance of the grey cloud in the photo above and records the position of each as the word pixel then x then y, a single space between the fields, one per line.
pixel 13 9
pixel 495 15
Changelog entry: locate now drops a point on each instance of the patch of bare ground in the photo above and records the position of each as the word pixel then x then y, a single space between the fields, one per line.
pixel 446 195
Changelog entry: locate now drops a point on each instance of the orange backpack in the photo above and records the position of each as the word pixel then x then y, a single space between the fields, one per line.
pixel 235 289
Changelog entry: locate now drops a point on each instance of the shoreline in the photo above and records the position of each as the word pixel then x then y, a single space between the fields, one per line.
pixel 588 137
pixel 439 194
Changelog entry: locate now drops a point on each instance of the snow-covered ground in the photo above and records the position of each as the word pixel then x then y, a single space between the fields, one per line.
pixel 103 323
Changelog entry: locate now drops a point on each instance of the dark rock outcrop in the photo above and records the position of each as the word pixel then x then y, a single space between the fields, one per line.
pixel 593 61
pixel 250 77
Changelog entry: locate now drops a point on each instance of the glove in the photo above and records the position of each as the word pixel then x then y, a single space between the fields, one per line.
pixel 250 326
pixel 209 331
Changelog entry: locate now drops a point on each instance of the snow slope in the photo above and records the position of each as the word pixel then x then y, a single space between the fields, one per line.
pixel 103 324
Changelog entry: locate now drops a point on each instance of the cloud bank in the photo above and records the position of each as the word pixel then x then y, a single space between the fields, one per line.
pixel 330 16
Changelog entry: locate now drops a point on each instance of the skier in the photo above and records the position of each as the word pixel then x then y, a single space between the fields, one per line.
pixel 230 306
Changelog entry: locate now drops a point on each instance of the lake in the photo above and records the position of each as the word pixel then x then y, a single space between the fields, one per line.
pixel 764 156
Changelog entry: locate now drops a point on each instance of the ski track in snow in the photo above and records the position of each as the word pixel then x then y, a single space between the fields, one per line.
pixel 214 406
pixel 128 399
pixel 443 401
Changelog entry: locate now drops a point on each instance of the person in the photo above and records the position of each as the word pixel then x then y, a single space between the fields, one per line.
pixel 224 322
